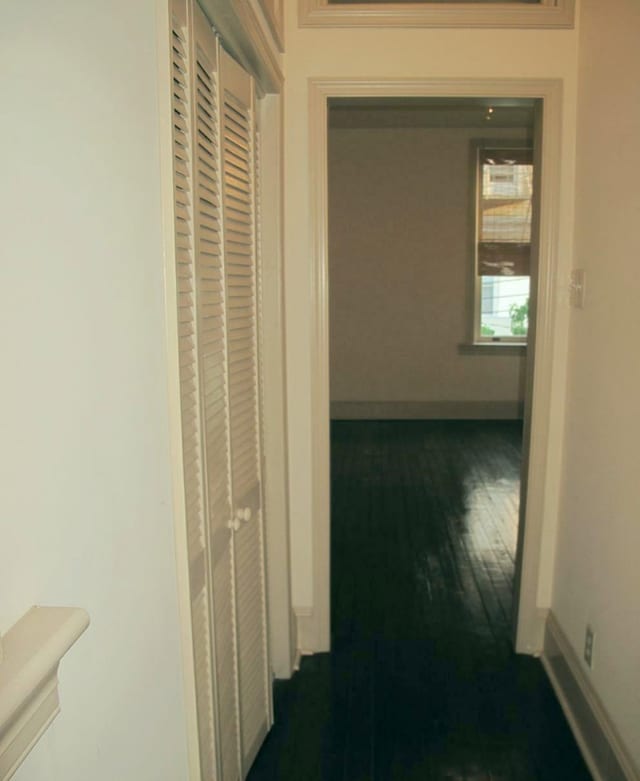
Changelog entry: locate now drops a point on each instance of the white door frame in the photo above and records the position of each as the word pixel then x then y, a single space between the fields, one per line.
pixel 531 618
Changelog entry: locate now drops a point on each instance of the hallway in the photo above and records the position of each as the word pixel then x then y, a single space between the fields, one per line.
pixel 422 683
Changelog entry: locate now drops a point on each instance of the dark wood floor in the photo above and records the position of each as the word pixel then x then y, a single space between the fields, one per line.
pixel 421 684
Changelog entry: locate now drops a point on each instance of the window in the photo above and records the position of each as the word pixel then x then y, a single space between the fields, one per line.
pixel 437 13
pixel 504 189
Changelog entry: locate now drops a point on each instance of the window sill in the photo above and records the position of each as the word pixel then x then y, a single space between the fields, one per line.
pixel 492 348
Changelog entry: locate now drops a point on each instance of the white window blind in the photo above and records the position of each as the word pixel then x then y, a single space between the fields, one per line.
pixel 503 242
pixel 504 246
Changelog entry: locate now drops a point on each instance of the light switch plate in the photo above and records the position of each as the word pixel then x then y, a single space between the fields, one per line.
pixel 577 283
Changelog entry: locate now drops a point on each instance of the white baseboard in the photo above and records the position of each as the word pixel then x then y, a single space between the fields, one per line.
pixel 426 410
pixel 296 661
pixel 531 630
pixel 305 631
pixel 601 746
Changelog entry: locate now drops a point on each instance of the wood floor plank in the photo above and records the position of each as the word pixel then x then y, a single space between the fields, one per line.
pixel 422 683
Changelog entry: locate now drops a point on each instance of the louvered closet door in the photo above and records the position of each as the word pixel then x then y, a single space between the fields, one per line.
pixel 212 338
pixel 193 462
pixel 238 171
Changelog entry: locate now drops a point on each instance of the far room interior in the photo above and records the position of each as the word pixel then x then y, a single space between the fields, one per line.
pixel 430 268
pixel 402 251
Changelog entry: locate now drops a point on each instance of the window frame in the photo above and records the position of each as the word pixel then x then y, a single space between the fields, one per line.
pixel 484 343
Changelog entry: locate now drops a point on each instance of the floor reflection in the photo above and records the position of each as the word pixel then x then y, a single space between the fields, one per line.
pixel 421 682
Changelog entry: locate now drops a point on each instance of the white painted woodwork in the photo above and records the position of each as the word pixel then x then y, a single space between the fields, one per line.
pixel 211 305
pixel 282 642
pixel 530 627
pixel 273 13
pixel 214 190
pixel 183 68
pixel 604 750
pixel 29 699
pixel 239 191
pixel 253 37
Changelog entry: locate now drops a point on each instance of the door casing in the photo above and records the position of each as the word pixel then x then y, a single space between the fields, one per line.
pixel 540 438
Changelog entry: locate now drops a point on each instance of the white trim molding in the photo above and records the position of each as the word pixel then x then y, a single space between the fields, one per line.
pixel 600 744
pixel 547 13
pixel 273 374
pixel 244 37
pixel 273 14
pixel 529 630
pixel 29 699
pixel 306 634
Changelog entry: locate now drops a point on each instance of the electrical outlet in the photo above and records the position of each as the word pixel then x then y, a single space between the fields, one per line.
pixel 589 642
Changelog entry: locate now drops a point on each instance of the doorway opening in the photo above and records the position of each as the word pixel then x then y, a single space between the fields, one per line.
pixel 403 704
pixel 430 216
pixel 540 435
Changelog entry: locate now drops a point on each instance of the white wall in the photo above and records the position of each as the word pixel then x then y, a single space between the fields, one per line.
pixel 597 574
pixel 85 504
pixel 400 269
pixel 376 53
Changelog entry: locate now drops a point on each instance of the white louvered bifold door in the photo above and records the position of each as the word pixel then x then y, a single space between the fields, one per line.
pixel 192 451
pixel 214 392
pixel 238 173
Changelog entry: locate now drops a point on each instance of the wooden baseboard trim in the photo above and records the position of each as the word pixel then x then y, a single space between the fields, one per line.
pixel 296 661
pixel 426 410
pixel 306 631
pixel 598 739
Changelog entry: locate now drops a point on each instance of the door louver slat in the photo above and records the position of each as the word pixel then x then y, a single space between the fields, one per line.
pixel 190 413
pixel 213 378
pixel 238 188
pixel 214 176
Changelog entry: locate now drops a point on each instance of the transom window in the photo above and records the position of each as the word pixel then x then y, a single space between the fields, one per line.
pixel 502 243
pixel 442 2
pixel 437 13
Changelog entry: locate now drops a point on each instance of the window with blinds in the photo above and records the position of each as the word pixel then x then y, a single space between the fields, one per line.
pixel 504 179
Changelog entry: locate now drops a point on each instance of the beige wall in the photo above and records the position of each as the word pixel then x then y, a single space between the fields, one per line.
pixel 400 267
pixel 85 505
pixel 375 53
pixel 597 576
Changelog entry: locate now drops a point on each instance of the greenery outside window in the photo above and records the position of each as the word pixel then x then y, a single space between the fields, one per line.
pixel 504 190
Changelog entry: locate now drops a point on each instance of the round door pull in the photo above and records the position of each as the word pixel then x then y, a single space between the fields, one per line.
pixel 243 514
pixel 234 524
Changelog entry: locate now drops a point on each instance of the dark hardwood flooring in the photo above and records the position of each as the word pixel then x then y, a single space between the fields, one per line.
pixel 421 683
